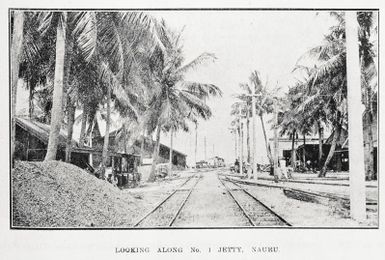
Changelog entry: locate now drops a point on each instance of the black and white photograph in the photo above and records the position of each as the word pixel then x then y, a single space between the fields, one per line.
pixel 143 119
pixel 191 130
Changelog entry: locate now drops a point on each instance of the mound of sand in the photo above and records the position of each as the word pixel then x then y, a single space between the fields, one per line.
pixel 58 194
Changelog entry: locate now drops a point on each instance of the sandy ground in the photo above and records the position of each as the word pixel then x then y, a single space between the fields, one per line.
pixel 301 213
pixel 209 205
pixel 341 191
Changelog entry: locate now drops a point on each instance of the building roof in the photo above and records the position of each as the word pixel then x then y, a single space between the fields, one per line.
pixel 41 132
pixel 136 149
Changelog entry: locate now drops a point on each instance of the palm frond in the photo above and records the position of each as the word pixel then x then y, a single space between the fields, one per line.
pixel 85 33
pixel 201 90
pixel 196 104
pixel 110 79
pixel 204 58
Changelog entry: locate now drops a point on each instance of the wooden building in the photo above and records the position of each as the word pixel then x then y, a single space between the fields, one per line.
pixel 31 145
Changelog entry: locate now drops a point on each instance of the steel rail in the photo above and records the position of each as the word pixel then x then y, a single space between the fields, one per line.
pixel 161 203
pixel 184 202
pixel 257 200
pixel 236 201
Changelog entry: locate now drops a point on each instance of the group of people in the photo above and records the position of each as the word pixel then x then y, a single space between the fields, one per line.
pixel 246 167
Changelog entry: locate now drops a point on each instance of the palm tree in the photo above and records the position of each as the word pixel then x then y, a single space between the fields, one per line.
pixel 89 29
pixel 16 48
pixel 176 98
pixel 264 105
pixel 56 116
pixel 328 77
pixel 247 98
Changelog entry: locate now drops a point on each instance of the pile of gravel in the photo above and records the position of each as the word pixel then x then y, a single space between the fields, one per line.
pixel 58 194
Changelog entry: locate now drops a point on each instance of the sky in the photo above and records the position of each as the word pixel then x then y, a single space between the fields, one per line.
pixel 243 41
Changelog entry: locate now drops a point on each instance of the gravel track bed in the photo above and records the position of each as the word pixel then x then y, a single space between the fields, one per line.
pixel 164 214
pixel 257 212
pixel 209 205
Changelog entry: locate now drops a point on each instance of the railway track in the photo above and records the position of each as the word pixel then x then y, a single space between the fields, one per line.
pixel 256 212
pixel 166 212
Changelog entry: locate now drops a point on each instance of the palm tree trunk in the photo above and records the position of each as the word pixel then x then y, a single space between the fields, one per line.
pixel 107 134
pixel 57 100
pixel 268 150
pixel 17 43
pixel 171 143
pixel 236 143
pixel 70 129
pixel 368 136
pixel 336 136
pixel 30 101
pixel 155 155
pixel 304 151
pixel 82 138
pixel 320 144
pixel 142 147
pixel 293 152
pixel 248 137
pixel 369 148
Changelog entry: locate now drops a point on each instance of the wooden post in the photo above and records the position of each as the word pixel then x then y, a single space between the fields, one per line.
pixel 355 110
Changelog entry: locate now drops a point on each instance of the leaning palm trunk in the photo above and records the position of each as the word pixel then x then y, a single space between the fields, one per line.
pixel 268 150
pixel 70 128
pixel 155 155
pixel 336 136
pixel 304 151
pixel 57 100
pixel 17 42
pixel 171 144
pixel 107 135
pixel 320 145
pixel 293 152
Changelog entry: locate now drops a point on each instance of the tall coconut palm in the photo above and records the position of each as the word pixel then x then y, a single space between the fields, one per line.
pixel 57 107
pixel 328 76
pixel 85 27
pixel 16 48
pixel 176 98
pixel 264 105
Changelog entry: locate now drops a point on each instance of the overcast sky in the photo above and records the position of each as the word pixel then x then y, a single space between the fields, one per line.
pixel 268 41
pixel 243 41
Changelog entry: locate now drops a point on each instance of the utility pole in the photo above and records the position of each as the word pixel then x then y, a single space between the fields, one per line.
pixel 196 142
pixel 355 111
pixel 254 154
pixel 275 141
